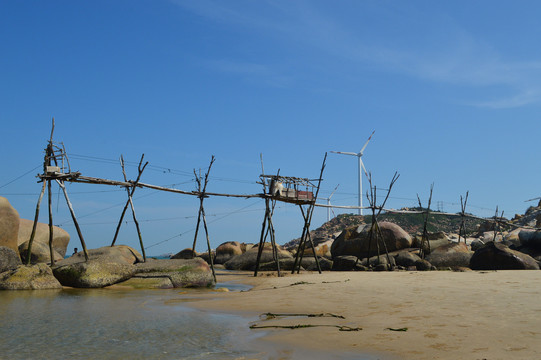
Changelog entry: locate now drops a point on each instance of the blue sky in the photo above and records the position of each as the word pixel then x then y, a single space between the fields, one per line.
pixel 452 89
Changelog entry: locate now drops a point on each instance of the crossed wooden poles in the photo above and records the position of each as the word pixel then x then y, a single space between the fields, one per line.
pixel 267 228
pixel 50 156
pixel 375 230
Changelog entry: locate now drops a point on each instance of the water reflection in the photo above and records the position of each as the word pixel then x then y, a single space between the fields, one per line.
pixel 112 324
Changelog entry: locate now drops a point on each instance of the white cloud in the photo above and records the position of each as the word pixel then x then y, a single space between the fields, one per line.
pixel 452 57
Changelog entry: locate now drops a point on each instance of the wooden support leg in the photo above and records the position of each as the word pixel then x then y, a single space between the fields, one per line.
pixel 262 238
pixel 79 233
pixel 50 222
pixel 208 244
pixel 36 217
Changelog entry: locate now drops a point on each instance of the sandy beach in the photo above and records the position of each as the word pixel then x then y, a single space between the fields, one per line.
pixel 442 314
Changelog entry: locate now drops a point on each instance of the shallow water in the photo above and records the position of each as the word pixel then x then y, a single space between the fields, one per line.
pixel 115 324
pixel 132 324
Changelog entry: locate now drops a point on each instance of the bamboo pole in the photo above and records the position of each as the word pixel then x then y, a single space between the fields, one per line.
pixel 50 222
pixel 201 214
pixel 263 235
pixel 36 217
pixel 462 228
pixel 79 233
pixel 424 236
pixel 211 261
pixel 130 192
pixel 306 227
pixel 130 201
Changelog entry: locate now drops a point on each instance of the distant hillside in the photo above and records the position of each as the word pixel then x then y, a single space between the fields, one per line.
pixel 411 223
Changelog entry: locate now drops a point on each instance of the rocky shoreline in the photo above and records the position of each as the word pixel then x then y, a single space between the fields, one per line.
pixel 346 243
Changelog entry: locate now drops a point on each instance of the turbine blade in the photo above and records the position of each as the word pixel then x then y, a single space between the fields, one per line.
pixel 336 188
pixel 365 172
pixel 345 153
pixel 367 141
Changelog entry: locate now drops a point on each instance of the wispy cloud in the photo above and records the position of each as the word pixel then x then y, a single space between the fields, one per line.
pixel 458 59
pixel 251 72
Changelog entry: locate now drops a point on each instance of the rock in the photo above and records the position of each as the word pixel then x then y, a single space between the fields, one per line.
pixel 106 266
pixel 452 255
pixel 118 254
pixel 512 238
pixel 322 249
pixel 324 263
pixel 9 225
pixel 489 236
pixel 60 237
pixel 375 261
pixel 406 259
pixel 33 277
pixel 383 267
pixel 40 253
pixel 308 263
pixel 140 281
pixel 355 241
pixel 285 265
pixel 435 240
pixel 496 256
pixel 422 265
pixel 346 263
pixel 227 250
pixel 477 244
pixel 205 256
pixel 182 273
pixel 185 254
pixel 9 259
pixel 247 260
pixel 94 273
pixel 530 238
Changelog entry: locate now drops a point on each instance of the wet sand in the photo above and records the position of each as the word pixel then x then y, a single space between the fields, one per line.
pixel 448 315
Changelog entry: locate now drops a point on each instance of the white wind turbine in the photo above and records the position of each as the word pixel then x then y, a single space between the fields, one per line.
pixel 329 203
pixel 361 168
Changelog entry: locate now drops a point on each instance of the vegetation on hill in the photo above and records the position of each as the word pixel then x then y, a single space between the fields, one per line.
pixel 411 223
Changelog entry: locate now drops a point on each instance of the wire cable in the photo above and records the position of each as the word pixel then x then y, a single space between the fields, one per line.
pixel 21 176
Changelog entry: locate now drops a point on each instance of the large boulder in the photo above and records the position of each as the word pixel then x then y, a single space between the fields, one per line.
pixel 248 260
pixel 356 240
pixel 40 253
pixel 187 253
pixel 227 250
pixel 307 263
pixel 453 255
pixel 322 249
pixel 435 240
pixel 180 273
pixel 106 266
pixel 120 254
pixel 34 277
pixel 94 273
pixel 9 259
pixel 347 263
pixel 60 237
pixel 497 256
pixel 406 259
pixel 512 239
pixel 530 238
pixel 9 225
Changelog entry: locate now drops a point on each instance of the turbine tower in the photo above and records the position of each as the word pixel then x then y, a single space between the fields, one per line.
pixel 359 155
pixel 329 203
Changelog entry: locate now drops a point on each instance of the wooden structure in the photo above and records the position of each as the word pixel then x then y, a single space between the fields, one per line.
pixel 462 228
pixel 201 215
pixel 426 214
pixel 53 153
pixel 293 190
pixel 375 231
